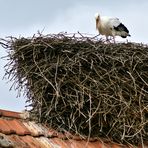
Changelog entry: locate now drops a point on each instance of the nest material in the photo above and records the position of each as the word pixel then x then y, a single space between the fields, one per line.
pixel 82 85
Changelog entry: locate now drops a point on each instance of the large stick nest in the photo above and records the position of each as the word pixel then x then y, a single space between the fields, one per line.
pixel 83 85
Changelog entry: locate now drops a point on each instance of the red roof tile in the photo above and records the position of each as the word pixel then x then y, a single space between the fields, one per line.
pixel 13 126
pixel 52 133
pixel 32 142
pixel 36 129
pixel 5 128
pixel 19 127
pixel 16 131
pixel 18 142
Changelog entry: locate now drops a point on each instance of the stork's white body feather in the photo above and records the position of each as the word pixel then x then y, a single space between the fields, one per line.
pixel 109 26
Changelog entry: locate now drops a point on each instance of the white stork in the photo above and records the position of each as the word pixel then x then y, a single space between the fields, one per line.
pixel 110 26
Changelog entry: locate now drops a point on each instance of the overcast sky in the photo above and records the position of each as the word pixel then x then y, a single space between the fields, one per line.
pixel 26 17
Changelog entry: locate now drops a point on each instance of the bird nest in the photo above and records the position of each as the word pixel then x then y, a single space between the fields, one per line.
pixel 82 85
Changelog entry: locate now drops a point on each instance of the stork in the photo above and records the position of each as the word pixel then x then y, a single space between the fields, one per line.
pixel 110 26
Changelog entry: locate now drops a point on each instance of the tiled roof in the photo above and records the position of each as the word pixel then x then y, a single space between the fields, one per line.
pixel 17 131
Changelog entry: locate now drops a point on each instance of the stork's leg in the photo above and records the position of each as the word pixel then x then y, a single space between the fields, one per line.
pixel 114 39
pixel 107 40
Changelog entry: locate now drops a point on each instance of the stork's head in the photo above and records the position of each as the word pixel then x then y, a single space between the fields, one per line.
pixel 97 17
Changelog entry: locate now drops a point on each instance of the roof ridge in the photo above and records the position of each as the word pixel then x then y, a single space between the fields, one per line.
pixel 14 114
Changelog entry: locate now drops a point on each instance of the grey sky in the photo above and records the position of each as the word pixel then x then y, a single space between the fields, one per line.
pixel 26 17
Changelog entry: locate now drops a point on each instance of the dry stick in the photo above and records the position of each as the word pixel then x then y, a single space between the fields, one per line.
pixel 124 130
pixel 89 120
pixel 43 76
pixel 142 79
pixel 56 84
pixel 133 79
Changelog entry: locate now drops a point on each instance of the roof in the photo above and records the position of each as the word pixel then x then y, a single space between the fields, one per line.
pixel 17 130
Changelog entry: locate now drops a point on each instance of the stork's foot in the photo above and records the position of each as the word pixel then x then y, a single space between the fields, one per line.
pixel 110 40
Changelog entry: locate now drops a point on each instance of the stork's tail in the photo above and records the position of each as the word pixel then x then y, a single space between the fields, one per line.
pixel 97 16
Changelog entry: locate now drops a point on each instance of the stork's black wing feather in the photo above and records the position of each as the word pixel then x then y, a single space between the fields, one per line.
pixel 121 27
